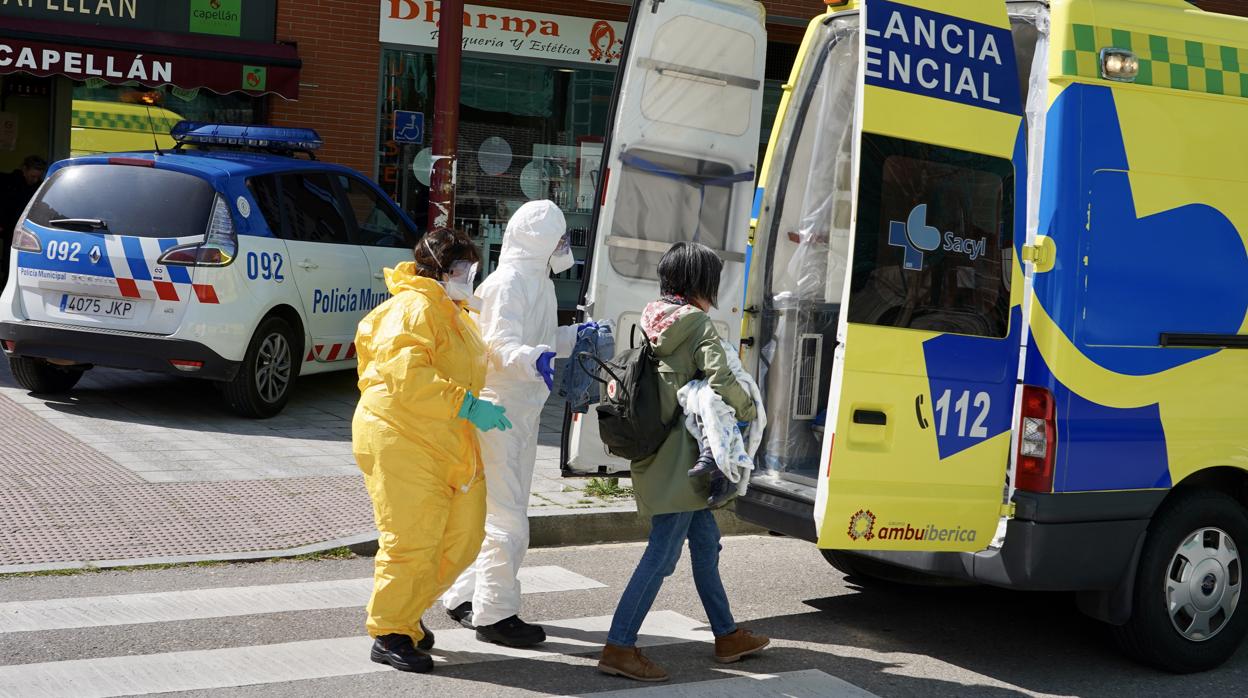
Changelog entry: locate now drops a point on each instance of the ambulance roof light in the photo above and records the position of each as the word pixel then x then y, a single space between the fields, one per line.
pixel 265 137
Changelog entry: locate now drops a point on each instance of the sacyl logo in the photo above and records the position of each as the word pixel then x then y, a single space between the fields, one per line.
pixel 916 237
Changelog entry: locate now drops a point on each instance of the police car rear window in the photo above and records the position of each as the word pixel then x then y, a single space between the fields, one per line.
pixel 126 200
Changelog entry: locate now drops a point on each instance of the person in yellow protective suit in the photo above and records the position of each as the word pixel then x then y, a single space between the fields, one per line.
pixel 421 364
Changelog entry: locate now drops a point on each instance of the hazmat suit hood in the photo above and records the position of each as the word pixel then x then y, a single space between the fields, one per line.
pixel 403 277
pixel 532 235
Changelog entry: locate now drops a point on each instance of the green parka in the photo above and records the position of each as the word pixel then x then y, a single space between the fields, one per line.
pixel 687 346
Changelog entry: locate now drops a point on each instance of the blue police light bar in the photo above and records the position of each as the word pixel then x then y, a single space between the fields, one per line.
pixel 197 133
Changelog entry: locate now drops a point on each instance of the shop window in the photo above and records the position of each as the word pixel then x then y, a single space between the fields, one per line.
pixel 377 225
pixel 934 243
pixel 119 118
pixel 310 210
pixel 663 199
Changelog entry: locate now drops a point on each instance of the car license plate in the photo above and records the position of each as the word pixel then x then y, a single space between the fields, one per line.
pixel 99 307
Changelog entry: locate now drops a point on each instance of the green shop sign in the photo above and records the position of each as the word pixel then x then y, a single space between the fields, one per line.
pixel 212 17
pixel 223 17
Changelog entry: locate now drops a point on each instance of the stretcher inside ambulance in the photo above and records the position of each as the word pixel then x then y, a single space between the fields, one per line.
pixel 955 386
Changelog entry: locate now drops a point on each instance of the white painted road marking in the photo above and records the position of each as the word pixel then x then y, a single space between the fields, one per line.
pixel 312 659
pixel 170 606
pixel 810 683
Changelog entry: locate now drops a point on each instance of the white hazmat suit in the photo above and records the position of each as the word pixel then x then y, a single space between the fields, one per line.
pixel 518 322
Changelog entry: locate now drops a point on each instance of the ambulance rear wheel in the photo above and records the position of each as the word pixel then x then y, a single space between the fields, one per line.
pixel 869 571
pixel 1189 613
pixel 267 377
pixel 39 376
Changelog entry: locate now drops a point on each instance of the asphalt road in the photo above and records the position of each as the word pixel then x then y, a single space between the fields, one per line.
pixel 886 640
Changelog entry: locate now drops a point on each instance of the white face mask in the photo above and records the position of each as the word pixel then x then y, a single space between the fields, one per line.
pixel 460 281
pixel 561 259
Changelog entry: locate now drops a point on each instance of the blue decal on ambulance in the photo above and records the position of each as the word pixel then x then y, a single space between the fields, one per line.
pixel 937 55
pixel 972 386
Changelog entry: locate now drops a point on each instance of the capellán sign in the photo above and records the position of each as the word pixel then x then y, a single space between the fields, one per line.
pixel 508 32
pixel 937 55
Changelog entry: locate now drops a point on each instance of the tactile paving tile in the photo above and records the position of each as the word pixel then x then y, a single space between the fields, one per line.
pixel 178 519
pixel 63 501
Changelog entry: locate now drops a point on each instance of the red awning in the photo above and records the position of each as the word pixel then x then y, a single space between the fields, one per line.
pixel 188 61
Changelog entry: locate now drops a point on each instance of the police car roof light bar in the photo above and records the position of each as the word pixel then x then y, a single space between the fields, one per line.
pixel 260 137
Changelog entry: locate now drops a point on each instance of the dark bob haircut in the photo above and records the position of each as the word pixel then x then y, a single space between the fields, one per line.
pixel 690 270
pixel 447 246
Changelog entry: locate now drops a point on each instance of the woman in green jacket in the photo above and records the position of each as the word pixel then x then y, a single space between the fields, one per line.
pixel 687 346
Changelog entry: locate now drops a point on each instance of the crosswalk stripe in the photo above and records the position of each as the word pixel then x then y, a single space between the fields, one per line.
pixel 164 607
pixel 311 659
pixel 809 683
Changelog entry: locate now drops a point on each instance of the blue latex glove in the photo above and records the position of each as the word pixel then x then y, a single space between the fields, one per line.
pixel 546 367
pixel 743 427
pixel 484 414
pixel 591 325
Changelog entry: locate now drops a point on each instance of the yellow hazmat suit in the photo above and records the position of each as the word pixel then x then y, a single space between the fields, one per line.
pixel 419 353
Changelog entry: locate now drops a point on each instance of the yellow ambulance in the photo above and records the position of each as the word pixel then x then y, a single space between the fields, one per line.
pixel 994 291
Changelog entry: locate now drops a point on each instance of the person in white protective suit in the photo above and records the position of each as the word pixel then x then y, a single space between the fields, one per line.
pixel 519 325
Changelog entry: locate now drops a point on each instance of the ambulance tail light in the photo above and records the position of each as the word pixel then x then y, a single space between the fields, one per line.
pixel 26 241
pixel 1037 441
pixel 218 249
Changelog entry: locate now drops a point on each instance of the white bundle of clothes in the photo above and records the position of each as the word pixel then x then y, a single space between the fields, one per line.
pixel 713 423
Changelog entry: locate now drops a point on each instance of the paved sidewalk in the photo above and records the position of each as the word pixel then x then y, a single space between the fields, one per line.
pixel 138 467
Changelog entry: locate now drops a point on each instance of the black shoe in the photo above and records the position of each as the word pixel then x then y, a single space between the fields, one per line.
pixel 462 614
pixel 426 642
pixel 704 465
pixel 512 632
pixel 398 651
pixel 721 492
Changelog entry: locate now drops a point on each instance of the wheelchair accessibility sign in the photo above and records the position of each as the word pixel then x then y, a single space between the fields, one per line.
pixel 409 127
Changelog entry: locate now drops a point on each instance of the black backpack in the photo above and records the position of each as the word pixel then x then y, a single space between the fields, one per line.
pixel 629 421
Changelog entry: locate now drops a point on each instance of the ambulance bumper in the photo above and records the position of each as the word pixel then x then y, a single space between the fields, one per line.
pixel 1055 542
pixel 129 350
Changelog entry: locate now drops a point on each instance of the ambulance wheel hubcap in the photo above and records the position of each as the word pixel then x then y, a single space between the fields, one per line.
pixel 273 367
pixel 1203 583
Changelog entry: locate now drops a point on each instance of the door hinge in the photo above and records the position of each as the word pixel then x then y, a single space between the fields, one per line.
pixel 1043 253
pixel 1007 510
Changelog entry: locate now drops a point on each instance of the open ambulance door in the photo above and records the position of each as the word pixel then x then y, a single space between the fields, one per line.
pixel 925 372
pixel 680 166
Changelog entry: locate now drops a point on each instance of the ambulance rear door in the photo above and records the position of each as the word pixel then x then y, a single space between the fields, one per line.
pixel 680 166
pixel 928 338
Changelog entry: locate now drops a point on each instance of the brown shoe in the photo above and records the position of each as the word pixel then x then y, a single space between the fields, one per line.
pixel 737 644
pixel 629 662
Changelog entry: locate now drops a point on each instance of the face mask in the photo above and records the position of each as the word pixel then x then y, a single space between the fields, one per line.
pixel 561 259
pixel 459 282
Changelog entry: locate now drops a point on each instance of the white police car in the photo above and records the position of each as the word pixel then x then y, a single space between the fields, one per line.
pixel 235 261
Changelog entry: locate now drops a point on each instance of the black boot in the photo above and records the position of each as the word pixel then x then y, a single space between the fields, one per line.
pixel 399 652
pixel 426 642
pixel 462 614
pixel 512 632
pixel 705 464
pixel 721 491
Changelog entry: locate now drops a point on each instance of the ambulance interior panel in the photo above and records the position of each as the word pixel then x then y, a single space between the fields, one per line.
pixel 807 264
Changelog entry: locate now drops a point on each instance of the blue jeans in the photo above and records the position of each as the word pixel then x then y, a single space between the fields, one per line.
pixel 579 388
pixel 668 533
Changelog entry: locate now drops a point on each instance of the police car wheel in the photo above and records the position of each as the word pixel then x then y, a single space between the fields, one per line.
pixel 39 376
pixel 1188 613
pixel 264 381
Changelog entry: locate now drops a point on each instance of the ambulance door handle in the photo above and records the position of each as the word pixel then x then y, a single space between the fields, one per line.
pixel 873 418
pixel 379 276
pixel 309 264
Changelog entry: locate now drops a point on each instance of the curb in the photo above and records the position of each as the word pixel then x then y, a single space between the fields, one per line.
pixel 563 527
pixel 547 529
